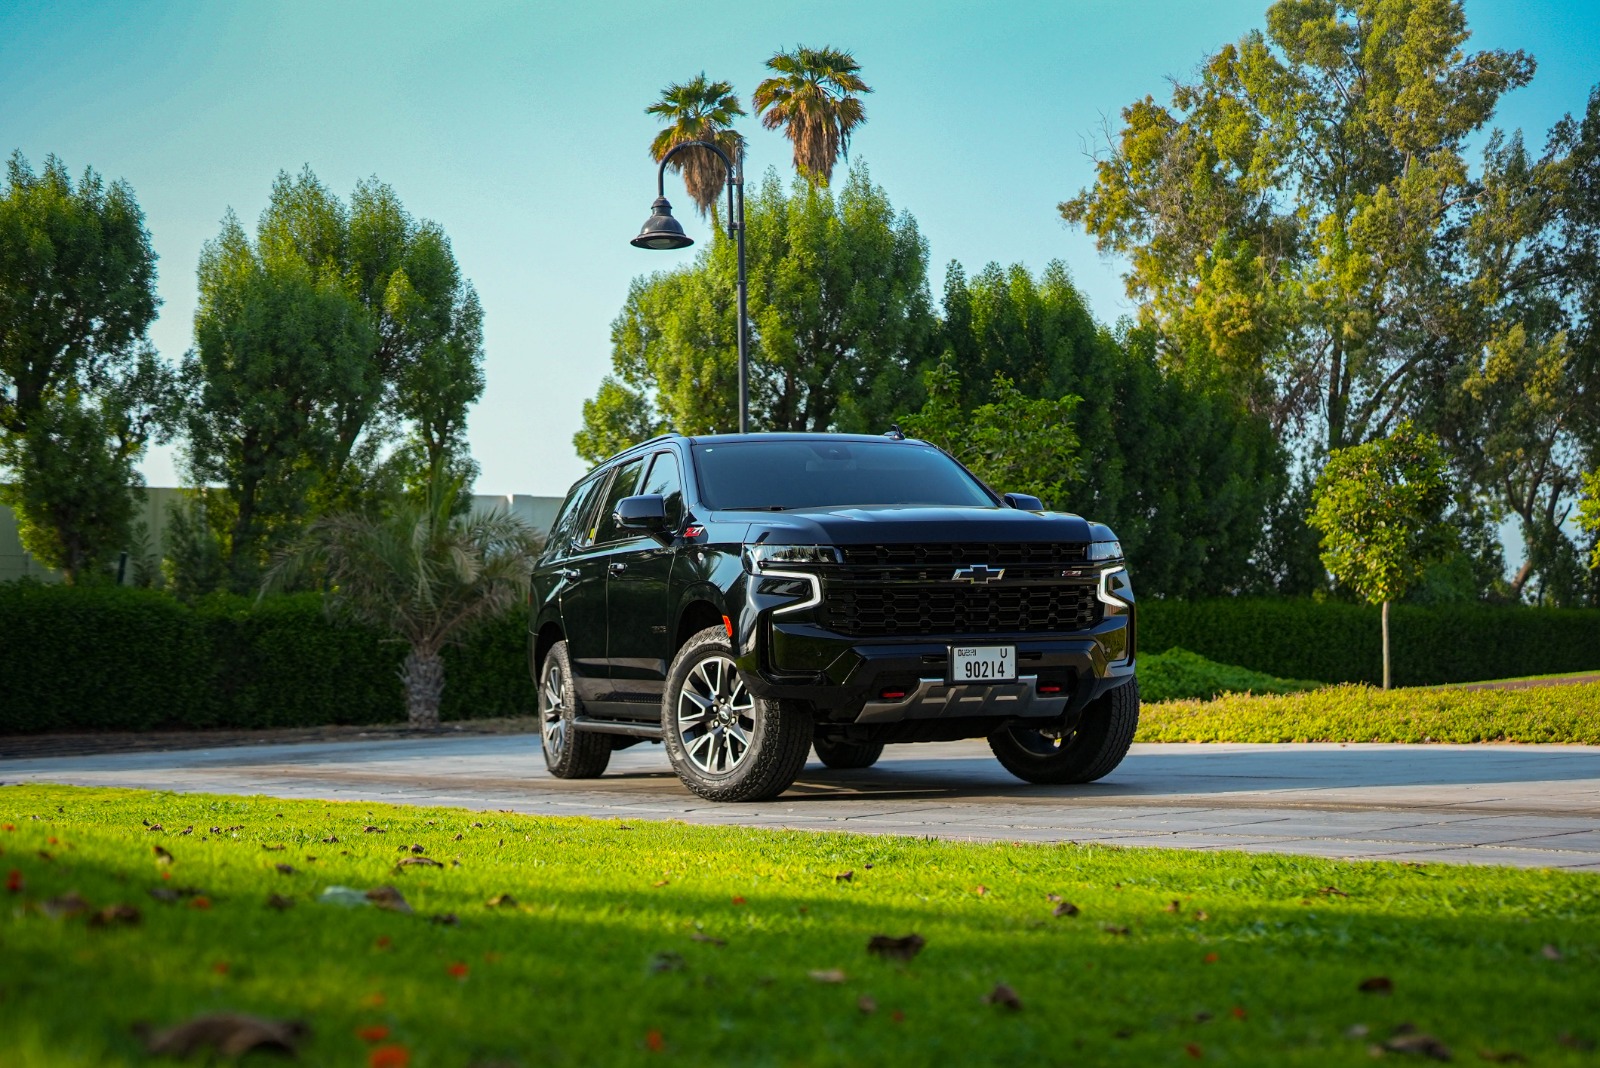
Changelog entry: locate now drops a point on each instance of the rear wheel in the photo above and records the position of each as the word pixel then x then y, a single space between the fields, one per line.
pixel 568 752
pixel 725 743
pixel 846 755
pixel 1087 752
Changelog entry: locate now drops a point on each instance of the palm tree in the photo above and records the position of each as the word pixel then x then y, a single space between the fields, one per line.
pixel 698 110
pixel 812 96
pixel 419 571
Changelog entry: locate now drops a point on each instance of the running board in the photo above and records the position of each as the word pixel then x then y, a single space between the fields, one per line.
pixel 611 726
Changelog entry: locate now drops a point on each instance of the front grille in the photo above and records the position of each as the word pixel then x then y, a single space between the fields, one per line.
pixel 879 610
pixel 962 554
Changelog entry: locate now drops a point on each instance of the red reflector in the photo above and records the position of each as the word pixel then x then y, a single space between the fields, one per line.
pixel 892 695
pixel 727 624
pixel 1049 687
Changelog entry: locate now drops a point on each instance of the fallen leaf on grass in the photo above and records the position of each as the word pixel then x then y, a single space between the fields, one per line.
pixel 1114 928
pixel 426 862
pixel 891 948
pixel 667 962
pixel 1201 916
pixel 46 856
pixel 274 848
pixel 1572 1041
pixel 1332 891
pixel 1003 996
pixel 162 856
pixel 501 901
pixel 445 919
pixel 844 876
pixel 332 839
pixel 1052 897
pixel 1550 952
pixel 1378 984
pixel 114 916
pixel 1501 1056
pixel 372 830
pixel 658 884
pixel 389 1057
pixel 231 1034
pixel 64 907
pixel 980 890
pixel 285 869
pixel 153 826
pixel 170 894
pixel 701 936
pixel 1066 908
pixel 279 902
pixel 827 975
pixel 418 848
pixel 1176 906
pixel 458 837
pixel 1420 1045
pixel 1356 1031
pixel 387 897
pixel 866 1004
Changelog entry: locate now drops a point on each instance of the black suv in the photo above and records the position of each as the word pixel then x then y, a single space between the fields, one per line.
pixel 743 598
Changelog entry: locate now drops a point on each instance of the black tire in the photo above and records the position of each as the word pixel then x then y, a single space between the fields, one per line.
pixel 569 753
pixel 843 754
pixel 704 744
pixel 1091 751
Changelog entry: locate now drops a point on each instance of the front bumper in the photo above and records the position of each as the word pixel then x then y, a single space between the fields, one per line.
pixel 858 681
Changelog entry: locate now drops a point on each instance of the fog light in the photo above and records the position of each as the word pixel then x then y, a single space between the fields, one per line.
pixel 892 695
pixel 1049 687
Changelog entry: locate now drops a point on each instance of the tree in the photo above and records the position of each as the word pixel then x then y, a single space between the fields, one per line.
pixel 335 357
pixel 1280 216
pixel 420 571
pixel 81 392
pixel 840 321
pixel 698 110
pixel 1015 444
pixel 1589 515
pixel 1380 509
pixel 812 96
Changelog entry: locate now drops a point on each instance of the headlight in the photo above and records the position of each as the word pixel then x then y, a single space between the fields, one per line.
pixel 1105 550
pixel 766 557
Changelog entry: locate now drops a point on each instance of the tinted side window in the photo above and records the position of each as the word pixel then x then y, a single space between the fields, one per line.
pixel 569 525
pixel 621 486
pixel 663 478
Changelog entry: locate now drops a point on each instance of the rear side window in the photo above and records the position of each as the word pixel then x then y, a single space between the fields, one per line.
pixel 663 478
pixel 568 531
pixel 621 486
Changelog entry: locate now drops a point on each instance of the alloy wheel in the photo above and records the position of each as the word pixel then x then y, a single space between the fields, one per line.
pixel 715 716
pixel 552 721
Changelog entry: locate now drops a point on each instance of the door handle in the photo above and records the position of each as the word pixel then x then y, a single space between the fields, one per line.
pixel 568 573
pixel 617 567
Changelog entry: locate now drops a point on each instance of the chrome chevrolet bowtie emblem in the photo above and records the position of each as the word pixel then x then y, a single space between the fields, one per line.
pixel 978 573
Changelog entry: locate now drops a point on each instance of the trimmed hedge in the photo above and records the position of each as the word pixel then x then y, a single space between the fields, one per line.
pixel 125 659
pixel 1351 713
pixel 1179 675
pixel 1338 642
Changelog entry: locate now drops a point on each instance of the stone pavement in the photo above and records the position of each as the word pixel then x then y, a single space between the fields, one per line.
pixel 1531 806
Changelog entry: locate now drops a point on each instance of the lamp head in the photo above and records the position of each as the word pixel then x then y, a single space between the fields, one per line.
pixel 661 230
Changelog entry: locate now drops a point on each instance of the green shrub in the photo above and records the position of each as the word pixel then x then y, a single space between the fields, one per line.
pixel 1178 675
pixel 104 658
pixel 1339 642
pixel 1355 713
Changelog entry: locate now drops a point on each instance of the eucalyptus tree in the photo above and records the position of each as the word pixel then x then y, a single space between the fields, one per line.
pixel 698 110
pixel 814 96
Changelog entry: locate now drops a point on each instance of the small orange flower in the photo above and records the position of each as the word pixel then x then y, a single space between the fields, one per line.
pixel 375 1033
pixel 14 881
pixel 221 967
pixel 374 999
pixel 1211 958
pixel 52 840
pixel 10 826
pixel 384 942
pixel 897 1016
pixel 389 1057
pixel 1194 1050
pixel 738 900
pixel 166 875
pixel 202 902
pixel 654 1042
pixel 458 969
pixel 1238 1012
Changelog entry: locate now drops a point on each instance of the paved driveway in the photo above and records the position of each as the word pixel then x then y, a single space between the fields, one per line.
pixel 1487 804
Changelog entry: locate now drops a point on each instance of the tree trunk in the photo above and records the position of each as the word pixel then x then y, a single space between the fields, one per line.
pixel 423 677
pixel 1385 646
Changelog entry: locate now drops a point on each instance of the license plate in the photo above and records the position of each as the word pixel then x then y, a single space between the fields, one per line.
pixel 983 663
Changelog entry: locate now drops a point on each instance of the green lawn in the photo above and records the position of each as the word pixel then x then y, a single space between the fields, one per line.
pixel 649 942
pixel 1355 713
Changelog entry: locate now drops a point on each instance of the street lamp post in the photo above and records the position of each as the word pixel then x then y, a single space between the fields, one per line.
pixel 662 231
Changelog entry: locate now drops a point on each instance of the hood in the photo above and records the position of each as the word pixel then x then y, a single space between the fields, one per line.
pixel 895 525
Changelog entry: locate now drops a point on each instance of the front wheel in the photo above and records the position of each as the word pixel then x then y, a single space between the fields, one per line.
pixel 725 743
pixel 1087 752
pixel 568 752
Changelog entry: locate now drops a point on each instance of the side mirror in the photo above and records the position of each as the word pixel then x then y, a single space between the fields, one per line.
pixel 646 512
pixel 1024 502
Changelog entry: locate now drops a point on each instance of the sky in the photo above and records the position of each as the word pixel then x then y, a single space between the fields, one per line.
pixel 520 129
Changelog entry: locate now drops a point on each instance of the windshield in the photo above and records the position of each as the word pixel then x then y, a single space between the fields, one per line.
pixel 827 473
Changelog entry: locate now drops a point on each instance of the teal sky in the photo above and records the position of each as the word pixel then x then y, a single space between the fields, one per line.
pixel 520 128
